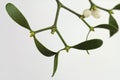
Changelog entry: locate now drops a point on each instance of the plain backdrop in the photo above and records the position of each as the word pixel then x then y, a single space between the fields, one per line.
pixel 20 59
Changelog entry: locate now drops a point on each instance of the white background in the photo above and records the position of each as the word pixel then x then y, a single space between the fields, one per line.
pixel 20 60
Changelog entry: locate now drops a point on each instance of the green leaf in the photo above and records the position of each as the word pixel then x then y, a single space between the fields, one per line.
pixel 17 16
pixel 117 7
pixel 43 49
pixel 89 44
pixel 55 64
pixel 111 28
pixel 113 22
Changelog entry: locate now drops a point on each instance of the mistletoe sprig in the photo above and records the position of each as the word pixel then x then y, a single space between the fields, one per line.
pixel 112 26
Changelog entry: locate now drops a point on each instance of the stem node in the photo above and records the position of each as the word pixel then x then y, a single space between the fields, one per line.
pixel 32 33
pixel 53 30
pixel 67 48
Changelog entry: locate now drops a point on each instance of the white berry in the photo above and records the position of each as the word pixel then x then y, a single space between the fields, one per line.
pixel 95 13
pixel 86 13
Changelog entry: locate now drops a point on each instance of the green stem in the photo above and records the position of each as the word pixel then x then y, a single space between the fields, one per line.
pixel 63 6
pixel 92 4
pixel 86 23
pixel 87 39
pixel 57 12
pixel 88 52
pixel 44 29
pixel 56 18
pixel 55 22
pixel 61 38
pixel 102 8
pixel 77 14
pixel 88 35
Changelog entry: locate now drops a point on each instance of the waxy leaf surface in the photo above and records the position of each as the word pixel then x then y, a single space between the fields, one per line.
pixel 17 16
pixel 89 44
pixel 43 49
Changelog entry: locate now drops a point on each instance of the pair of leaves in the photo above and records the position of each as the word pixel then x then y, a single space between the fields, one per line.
pixel 86 45
pixel 95 43
pixel 112 26
pixel 18 17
